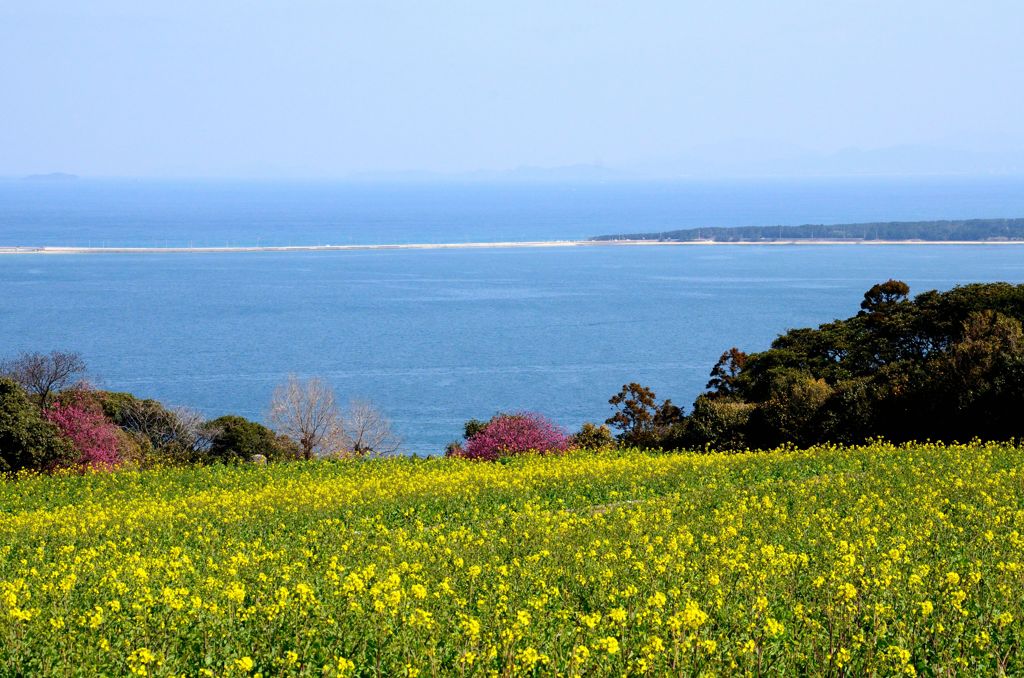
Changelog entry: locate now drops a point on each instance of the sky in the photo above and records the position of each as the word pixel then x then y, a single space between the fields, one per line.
pixel 334 89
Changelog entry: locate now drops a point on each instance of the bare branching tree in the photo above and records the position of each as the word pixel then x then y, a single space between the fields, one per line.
pixel 180 432
pixel 306 411
pixel 368 431
pixel 44 375
pixel 189 427
pixel 148 419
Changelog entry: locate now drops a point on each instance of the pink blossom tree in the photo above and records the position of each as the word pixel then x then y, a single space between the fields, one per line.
pixel 511 434
pixel 82 421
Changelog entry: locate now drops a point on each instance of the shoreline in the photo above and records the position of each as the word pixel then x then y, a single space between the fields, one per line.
pixel 482 245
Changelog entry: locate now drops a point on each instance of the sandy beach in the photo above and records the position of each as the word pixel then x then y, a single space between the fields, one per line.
pixel 482 245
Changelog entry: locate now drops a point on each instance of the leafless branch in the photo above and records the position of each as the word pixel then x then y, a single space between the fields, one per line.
pixel 306 411
pixel 43 375
pixel 368 430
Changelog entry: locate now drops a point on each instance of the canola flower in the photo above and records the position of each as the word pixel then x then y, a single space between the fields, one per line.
pixel 880 559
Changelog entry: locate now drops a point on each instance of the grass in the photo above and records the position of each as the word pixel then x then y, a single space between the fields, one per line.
pixel 876 559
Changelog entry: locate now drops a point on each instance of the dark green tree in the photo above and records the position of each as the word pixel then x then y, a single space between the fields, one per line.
pixel 725 373
pixel 884 296
pixel 791 413
pixel 641 421
pixel 943 365
pixel 27 440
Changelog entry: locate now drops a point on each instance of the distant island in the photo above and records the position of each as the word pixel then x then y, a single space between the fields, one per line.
pixel 967 230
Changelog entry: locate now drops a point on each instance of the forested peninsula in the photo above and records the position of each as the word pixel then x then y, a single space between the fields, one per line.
pixel 974 230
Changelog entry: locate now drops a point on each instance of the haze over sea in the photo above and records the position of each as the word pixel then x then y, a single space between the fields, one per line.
pixel 436 337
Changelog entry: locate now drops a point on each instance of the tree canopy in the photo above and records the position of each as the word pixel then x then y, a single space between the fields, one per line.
pixel 27 439
pixel 943 365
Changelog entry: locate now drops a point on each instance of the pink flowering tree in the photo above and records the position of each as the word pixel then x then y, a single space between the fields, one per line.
pixel 81 420
pixel 511 434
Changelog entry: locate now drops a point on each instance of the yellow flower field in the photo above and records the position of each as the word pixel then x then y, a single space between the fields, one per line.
pixel 831 561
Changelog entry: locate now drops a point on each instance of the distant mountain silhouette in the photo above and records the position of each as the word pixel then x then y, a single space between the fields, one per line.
pixel 525 174
pixel 748 158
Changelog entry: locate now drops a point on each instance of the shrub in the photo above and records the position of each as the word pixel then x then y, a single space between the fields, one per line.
pixel 81 420
pixel 790 413
pixel 592 437
pixel 234 438
pixel 27 439
pixel 719 422
pixel 512 434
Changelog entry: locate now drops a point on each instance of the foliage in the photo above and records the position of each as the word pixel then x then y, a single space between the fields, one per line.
pixel 722 383
pixel 507 435
pixel 791 413
pixel 592 437
pixel 943 365
pixel 472 427
pixel 27 440
pixel 883 297
pixel 641 420
pixel 720 419
pixel 82 421
pixel 877 560
pixel 233 439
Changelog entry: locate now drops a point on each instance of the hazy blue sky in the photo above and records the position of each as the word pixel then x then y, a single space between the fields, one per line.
pixel 325 89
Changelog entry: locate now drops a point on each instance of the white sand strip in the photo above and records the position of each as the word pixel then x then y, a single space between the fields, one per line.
pixel 483 245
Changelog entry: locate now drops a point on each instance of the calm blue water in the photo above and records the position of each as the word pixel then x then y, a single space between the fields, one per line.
pixel 437 337
pixel 147 213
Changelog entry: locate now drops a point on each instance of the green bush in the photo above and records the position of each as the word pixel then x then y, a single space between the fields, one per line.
pixel 233 438
pixel 592 437
pixel 723 420
pixel 27 439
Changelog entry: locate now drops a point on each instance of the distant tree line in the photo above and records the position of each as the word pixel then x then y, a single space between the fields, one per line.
pixel 937 231
pixel 52 419
pixel 941 366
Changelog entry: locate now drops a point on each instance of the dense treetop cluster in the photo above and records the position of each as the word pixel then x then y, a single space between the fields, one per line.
pixel 940 366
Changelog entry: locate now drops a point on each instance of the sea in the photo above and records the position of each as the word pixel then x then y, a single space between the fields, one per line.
pixel 436 337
